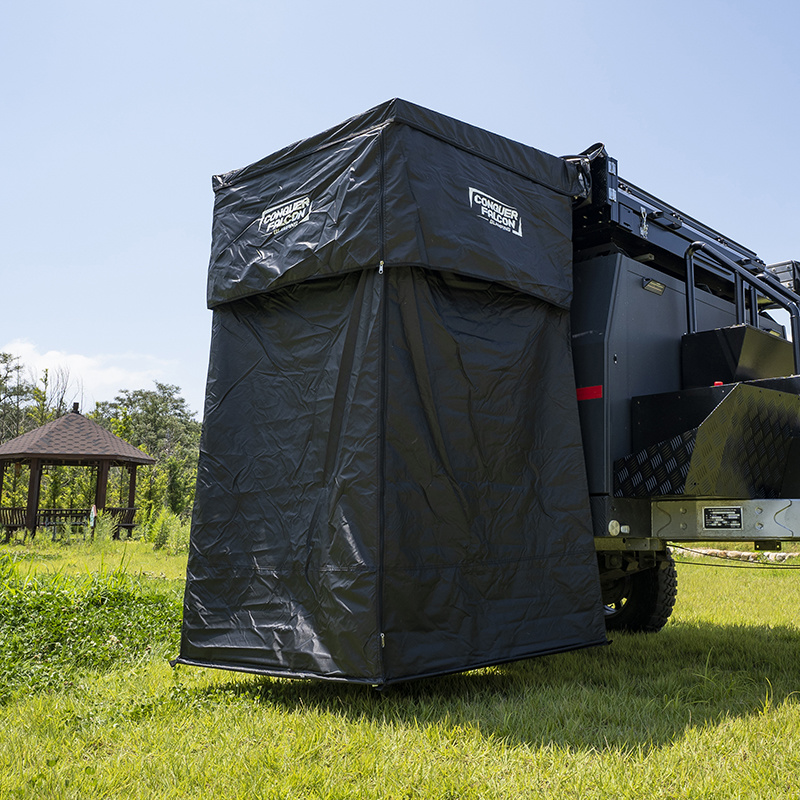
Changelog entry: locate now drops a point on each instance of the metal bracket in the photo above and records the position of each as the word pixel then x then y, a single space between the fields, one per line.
pixel 767 544
pixel 666 219
pixel 643 227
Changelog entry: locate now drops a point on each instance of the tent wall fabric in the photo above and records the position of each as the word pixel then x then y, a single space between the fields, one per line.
pixel 391 481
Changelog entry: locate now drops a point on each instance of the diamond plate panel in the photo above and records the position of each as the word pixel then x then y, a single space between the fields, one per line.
pixel 661 469
pixel 740 450
pixel 743 446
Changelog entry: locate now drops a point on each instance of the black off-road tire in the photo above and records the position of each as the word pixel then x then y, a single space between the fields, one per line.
pixel 643 601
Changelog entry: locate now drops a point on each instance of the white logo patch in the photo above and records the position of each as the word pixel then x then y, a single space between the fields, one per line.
pixel 495 212
pixel 284 216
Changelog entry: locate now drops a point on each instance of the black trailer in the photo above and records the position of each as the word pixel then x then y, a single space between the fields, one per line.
pixel 461 396
pixel 687 390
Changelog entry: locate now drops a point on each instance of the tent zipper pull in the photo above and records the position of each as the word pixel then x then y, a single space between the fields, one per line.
pixel 380 268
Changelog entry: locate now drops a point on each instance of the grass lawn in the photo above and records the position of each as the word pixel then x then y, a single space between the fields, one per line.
pixel 708 708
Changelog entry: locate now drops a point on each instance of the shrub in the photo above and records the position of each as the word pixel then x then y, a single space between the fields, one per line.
pixel 160 534
pixel 179 537
pixel 167 531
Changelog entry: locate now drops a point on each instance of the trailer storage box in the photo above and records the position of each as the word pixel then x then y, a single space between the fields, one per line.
pixel 391 481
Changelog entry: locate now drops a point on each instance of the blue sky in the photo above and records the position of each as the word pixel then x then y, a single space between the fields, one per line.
pixel 115 117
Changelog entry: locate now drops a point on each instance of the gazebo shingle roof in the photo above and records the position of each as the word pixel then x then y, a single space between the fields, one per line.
pixel 72 437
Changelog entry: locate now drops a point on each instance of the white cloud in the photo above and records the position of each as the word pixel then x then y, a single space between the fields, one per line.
pixel 92 378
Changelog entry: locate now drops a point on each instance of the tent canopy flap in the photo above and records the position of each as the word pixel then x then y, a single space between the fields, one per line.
pixel 406 186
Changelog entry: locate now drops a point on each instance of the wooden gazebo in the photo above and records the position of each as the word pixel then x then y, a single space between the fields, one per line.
pixel 71 440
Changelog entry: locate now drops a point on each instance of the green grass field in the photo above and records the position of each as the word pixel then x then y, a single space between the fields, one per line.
pixel 89 706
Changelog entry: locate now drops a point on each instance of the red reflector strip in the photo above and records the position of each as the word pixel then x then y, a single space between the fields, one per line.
pixel 590 392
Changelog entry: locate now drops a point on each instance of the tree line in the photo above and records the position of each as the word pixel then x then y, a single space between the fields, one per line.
pixel 157 421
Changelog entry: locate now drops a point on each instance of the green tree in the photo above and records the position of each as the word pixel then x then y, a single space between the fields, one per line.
pixel 49 398
pixel 160 423
pixel 15 394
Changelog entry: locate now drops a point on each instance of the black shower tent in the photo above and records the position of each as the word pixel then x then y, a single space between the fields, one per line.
pixel 391 482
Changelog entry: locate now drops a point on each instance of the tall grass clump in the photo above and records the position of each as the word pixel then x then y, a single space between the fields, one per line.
pixel 103 528
pixel 167 531
pixel 53 625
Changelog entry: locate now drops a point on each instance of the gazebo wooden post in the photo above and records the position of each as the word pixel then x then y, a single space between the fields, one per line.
pixel 102 485
pixel 34 485
pixel 7 538
pixel 132 485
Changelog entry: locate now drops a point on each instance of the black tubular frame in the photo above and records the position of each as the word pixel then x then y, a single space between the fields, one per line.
pixel 763 283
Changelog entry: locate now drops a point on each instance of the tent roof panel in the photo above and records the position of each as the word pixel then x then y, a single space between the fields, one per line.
pixel 555 173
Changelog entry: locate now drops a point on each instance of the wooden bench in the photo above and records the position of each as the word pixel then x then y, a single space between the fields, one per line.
pixel 13 519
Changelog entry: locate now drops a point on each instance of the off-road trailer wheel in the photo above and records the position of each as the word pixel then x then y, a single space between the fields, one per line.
pixel 641 601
